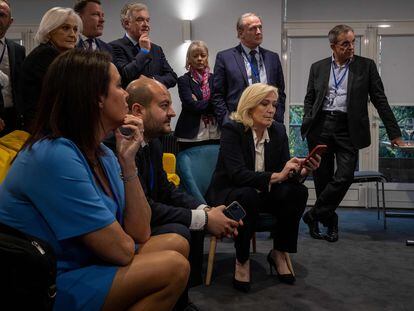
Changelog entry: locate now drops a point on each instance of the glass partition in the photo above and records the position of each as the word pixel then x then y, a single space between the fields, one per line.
pixel 397 70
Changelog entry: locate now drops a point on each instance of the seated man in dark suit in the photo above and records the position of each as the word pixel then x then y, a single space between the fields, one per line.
pixel 92 15
pixel 135 54
pixel 241 66
pixel 173 210
pixel 11 59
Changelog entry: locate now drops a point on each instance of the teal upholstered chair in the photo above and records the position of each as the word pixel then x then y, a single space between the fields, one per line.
pixel 195 166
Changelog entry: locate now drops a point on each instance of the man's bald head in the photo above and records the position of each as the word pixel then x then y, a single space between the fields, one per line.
pixel 151 101
pixel 142 91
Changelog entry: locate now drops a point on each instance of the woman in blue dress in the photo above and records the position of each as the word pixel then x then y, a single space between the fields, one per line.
pixel 68 189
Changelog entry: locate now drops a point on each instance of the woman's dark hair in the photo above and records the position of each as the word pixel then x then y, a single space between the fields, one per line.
pixel 74 84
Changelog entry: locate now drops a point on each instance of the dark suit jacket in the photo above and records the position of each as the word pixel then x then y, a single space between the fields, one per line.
pixel 168 203
pixel 131 63
pixel 188 123
pixel 230 80
pixel 363 80
pixel 33 71
pixel 100 45
pixel 16 53
pixel 236 161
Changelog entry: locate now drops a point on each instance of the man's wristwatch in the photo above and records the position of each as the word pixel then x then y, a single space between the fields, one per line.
pixel 206 219
pixel 206 210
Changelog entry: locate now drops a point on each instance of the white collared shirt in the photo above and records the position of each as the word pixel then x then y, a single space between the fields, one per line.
pixel 259 150
pixel 131 39
pixel 336 98
pixel 260 64
pixel 86 44
pixel 205 132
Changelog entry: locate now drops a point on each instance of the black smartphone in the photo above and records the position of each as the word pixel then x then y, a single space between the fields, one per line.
pixel 234 211
pixel 126 131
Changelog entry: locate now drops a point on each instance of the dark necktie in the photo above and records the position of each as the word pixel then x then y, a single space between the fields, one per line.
pixel 89 42
pixel 254 68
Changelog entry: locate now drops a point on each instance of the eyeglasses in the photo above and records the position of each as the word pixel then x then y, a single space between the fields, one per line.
pixel 346 44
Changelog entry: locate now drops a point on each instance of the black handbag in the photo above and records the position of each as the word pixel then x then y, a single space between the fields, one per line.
pixel 27 271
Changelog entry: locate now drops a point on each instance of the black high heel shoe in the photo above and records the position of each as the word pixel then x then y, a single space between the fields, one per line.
pixel 241 286
pixel 284 278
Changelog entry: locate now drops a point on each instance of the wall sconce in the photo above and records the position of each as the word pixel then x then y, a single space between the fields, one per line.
pixel 186 30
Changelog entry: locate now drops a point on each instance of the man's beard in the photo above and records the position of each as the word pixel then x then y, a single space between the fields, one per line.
pixel 153 132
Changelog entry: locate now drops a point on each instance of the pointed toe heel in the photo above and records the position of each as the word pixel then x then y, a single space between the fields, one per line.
pixel 241 286
pixel 283 278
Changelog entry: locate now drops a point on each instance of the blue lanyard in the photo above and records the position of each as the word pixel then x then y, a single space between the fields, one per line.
pixel 341 79
pixel 254 72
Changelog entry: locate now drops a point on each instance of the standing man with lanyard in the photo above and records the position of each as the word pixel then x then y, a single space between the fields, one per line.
pixel 241 66
pixel 11 59
pixel 336 114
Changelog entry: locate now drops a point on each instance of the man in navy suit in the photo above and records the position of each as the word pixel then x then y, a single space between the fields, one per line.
pixel 11 59
pixel 135 54
pixel 336 114
pixel 243 65
pixel 92 15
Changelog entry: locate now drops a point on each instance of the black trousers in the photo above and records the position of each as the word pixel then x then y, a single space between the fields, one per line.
pixel 331 185
pixel 285 201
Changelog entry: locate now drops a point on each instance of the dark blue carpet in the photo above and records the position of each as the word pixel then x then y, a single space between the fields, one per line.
pixel 367 269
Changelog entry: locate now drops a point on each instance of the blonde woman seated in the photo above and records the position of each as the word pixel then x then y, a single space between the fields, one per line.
pixel 253 168
pixel 67 188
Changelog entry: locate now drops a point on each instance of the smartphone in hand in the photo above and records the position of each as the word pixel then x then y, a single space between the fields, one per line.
pixel 234 211
pixel 318 150
pixel 126 131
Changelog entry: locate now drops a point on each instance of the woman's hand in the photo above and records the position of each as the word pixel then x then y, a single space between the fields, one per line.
pixel 128 145
pixel 293 164
pixel 310 165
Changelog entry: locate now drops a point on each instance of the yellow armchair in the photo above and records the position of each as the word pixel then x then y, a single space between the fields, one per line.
pixel 10 145
pixel 169 165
